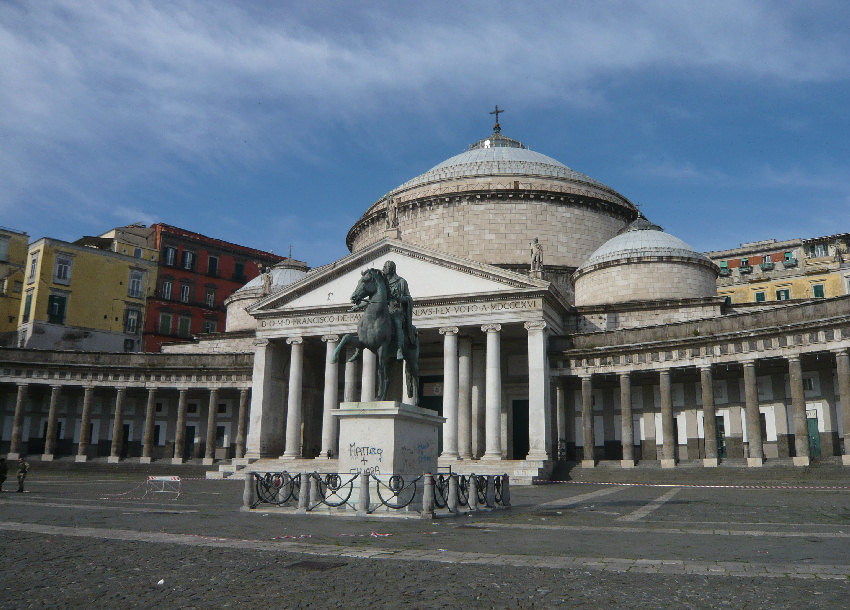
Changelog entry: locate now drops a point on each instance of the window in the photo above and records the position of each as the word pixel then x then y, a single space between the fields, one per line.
pixel 221 408
pixel 33 268
pixel 135 284
pixel 4 248
pixel 129 345
pixel 165 290
pixel 27 307
pixel 188 260
pixel 745 262
pixel 184 324
pixel 210 298
pixel 56 308
pixel 62 270
pixel 137 252
pixel 220 434
pixel 789 256
pixel 170 256
pixel 212 266
pixel 808 384
pixel 159 407
pixel 239 272
pixel 759 297
pixel 724 264
pixel 185 292
pixel 192 408
pixel 164 323
pixel 210 326
pixel 783 295
pixel 818 250
pixel 131 321
pixel 17 287
pixel 817 291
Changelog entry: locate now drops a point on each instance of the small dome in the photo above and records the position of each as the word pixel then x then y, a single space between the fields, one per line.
pixel 283 274
pixel 643 263
pixel 638 240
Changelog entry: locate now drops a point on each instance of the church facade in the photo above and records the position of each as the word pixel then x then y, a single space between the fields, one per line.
pixel 555 323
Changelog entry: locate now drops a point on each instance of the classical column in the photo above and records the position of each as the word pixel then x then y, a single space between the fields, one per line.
pixel 589 460
pixel 561 416
pixel 450 390
pixel 150 412
pixel 464 398
pixel 50 439
pixel 242 425
pixel 668 449
pixel 798 407
pixel 627 433
pixel 709 416
pixel 263 435
pixel 293 408
pixel 18 423
pixel 538 393
pixel 180 436
pixel 85 425
pixel 349 392
pixel 842 364
pixel 209 445
pixel 477 399
pixel 118 427
pixel 493 400
pixel 331 398
pixel 751 400
pixel 367 380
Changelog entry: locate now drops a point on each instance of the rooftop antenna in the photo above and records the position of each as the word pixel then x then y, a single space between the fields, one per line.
pixel 497 128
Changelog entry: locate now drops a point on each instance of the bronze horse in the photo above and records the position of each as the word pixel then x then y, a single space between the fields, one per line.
pixel 376 332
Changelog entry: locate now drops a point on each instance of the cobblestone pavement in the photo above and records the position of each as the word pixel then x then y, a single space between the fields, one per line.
pixel 89 539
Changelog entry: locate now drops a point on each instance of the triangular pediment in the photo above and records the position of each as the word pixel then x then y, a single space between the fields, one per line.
pixel 429 274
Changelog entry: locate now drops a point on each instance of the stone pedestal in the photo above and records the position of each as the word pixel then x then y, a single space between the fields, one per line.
pixel 588 463
pixel 387 437
pixel 81 458
pixel 46 457
pixel 710 462
pixel 144 460
pixel 113 459
pixel 802 460
pixel 755 462
pixel 627 463
pixel 668 463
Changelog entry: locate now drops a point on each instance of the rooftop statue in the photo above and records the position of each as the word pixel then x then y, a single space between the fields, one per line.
pixel 536 255
pixel 386 327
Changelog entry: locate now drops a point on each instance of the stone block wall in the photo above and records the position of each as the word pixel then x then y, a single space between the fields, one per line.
pixel 645 281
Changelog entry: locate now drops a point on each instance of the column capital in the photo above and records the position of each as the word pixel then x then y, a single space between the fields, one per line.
pixel 260 342
pixel 793 358
pixel 705 367
pixel 750 362
pixel 663 372
pixel 841 351
pixel 183 390
pixel 294 340
pixel 491 328
pixel 330 338
pixel 584 376
pixel 534 325
pixel 624 374
pixel 449 330
pixel 121 389
pixel 22 385
pixel 56 388
pixel 244 391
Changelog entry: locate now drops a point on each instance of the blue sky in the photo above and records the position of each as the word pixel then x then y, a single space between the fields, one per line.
pixel 279 123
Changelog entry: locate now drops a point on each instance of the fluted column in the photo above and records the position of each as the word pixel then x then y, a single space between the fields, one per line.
pixel 493 399
pixel 751 400
pixel 330 399
pixel 464 398
pixel 50 440
pixel 450 389
pixel 349 392
pixel 709 416
pixel 209 445
pixel 85 425
pixel 180 436
pixel 150 412
pixel 538 393
pixel 367 379
pixel 118 426
pixel 842 365
pixel 668 430
pixel 478 401
pixel 242 425
pixel 589 442
pixel 627 433
pixel 18 423
pixel 798 407
pixel 293 408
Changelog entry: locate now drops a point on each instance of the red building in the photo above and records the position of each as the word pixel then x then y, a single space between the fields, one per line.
pixel 196 274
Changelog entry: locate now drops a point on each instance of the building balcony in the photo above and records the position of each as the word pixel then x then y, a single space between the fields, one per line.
pixel 745 269
pixel 789 263
pixel 766 266
pixel 725 272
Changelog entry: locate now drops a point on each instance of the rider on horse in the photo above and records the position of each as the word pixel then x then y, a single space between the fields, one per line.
pixel 401 308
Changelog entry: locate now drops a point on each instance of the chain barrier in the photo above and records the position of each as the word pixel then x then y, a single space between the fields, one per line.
pixel 276 487
pixel 330 485
pixel 441 490
pixel 463 489
pixel 396 485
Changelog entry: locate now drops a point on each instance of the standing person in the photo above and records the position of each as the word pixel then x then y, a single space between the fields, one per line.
pixel 401 308
pixel 4 470
pixel 23 469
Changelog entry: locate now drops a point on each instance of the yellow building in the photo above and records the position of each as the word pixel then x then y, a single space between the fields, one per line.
pixel 13 255
pixel 791 270
pixel 88 295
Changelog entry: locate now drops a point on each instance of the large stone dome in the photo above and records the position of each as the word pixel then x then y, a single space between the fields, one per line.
pixel 489 202
pixel 644 263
